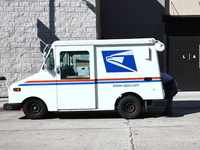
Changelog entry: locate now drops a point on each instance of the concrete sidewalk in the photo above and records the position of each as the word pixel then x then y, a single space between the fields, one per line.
pixel 187 96
pixel 2 101
pixel 69 130
pixel 186 100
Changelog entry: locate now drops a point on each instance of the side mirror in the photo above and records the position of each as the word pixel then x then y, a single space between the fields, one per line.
pixel 45 67
pixel 2 80
pixel 44 56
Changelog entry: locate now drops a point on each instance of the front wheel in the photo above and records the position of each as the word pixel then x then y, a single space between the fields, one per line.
pixel 129 107
pixel 35 109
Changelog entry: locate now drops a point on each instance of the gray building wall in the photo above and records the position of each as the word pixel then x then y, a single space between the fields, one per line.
pixel 25 26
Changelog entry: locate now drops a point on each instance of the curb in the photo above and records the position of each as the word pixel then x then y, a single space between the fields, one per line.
pixel 1 109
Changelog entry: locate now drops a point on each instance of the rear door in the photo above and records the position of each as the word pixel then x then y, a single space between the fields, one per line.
pixel 75 77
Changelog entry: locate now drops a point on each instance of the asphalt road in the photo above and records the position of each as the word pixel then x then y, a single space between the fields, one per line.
pixel 106 130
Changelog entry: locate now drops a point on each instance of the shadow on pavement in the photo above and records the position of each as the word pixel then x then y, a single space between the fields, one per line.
pixel 85 115
pixel 180 109
pixel 82 115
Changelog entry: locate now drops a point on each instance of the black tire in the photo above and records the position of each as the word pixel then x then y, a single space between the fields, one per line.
pixel 129 107
pixel 35 109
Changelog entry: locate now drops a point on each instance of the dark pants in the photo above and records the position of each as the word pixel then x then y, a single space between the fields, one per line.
pixel 168 88
pixel 168 108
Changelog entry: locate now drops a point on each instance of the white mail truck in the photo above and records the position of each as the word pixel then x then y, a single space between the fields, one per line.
pixel 92 75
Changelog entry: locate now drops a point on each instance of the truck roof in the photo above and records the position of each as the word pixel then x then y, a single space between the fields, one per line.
pixel 106 42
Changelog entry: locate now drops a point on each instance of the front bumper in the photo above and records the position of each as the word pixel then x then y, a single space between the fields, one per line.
pixel 12 106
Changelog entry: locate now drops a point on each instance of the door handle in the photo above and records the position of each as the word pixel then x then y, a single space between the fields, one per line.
pixel 58 69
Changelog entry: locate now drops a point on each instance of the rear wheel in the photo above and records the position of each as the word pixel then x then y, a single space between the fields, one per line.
pixel 35 109
pixel 129 107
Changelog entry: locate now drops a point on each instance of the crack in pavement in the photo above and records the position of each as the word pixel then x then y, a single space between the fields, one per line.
pixel 131 136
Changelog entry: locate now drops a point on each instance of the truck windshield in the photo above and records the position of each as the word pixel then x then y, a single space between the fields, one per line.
pixel 50 61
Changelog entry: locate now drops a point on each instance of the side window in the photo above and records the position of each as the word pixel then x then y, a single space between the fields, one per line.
pixel 50 61
pixel 75 65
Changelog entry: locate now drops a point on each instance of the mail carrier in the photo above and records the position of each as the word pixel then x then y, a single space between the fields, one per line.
pixel 92 75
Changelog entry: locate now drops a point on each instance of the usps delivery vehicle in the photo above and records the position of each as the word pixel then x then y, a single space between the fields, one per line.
pixel 92 75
